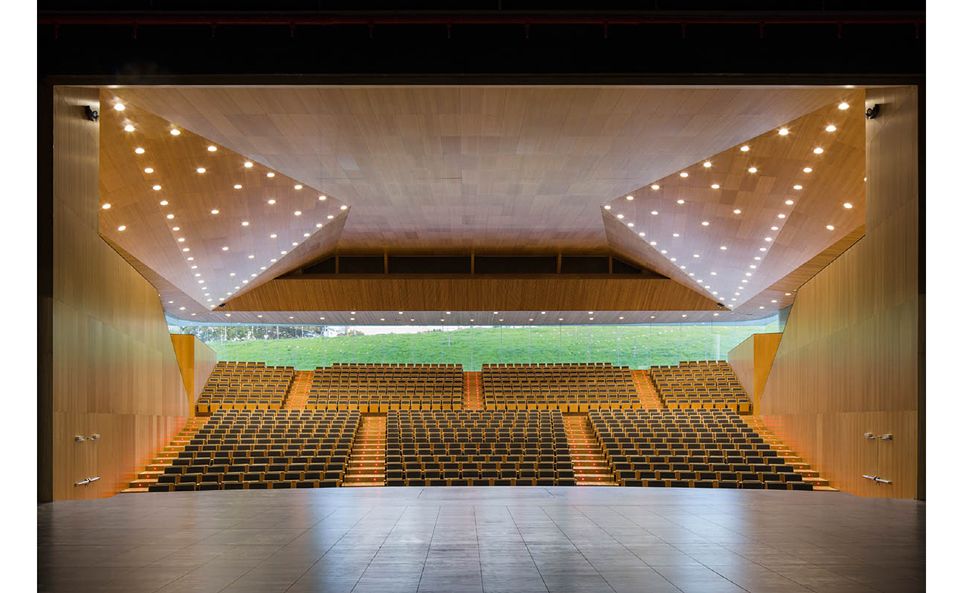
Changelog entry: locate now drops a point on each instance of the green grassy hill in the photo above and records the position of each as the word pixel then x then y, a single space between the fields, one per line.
pixel 635 346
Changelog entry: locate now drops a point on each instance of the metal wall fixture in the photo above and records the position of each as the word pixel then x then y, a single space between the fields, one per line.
pixel 87 481
pixel 90 437
pixel 869 436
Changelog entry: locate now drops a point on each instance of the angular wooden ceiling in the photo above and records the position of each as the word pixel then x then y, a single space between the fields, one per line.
pixel 486 169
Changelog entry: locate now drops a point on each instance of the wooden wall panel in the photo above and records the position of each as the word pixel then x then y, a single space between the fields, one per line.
pixel 196 360
pixel 113 366
pixel 752 360
pixel 848 362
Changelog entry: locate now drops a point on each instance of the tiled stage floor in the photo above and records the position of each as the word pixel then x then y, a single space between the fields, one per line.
pixel 513 540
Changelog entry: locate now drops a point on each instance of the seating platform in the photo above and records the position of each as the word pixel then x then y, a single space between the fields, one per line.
pixel 576 387
pixel 700 385
pixel 253 449
pixel 477 448
pixel 382 387
pixel 690 448
pixel 245 386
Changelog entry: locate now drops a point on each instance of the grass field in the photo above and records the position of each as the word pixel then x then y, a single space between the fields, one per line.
pixel 634 346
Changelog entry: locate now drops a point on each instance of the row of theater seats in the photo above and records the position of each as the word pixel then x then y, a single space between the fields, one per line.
pixel 477 448
pixel 690 448
pixel 264 449
pixel 383 387
pixel 245 385
pixel 568 387
pixel 707 384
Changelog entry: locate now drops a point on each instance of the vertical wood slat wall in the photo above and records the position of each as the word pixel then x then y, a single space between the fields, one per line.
pixel 848 362
pixel 752 361
pixel 113 365
pixel 196 361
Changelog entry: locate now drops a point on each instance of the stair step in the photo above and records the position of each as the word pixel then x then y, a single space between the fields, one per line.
pixel 824 489
pixel 142 483
pixel 133 490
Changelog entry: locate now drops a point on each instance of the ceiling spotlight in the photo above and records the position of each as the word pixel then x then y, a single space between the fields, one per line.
pixel 654 213
pixel 696 255
pixel 762 249
pixel 843 106
pixel 723 247
pixel 629 198
pixel 788 293
pixel 789 202
pixel 245 223
pixel 773 228
pixel 272 202
pixel 298 186
pixel 707 164
pixel 675 235
pixel 297 213
pixel 251 256
pixel 818 150
pixel 248 164
pixel 620 216
pixel 344 206
pixel 780 215
pixel 797 187
pixel 830 128
pixel 269 174
pixel 642 233
pixel 680 202
pixel 783 131
pixel 807 169
pixel 156 188
pixel 830 227
pixel 631 224
pixel 163 202
pixel 274 236
pixel 238 186
pixel 107 206
pixel 225 248
pixel 119 107
pixel 122 228
pixel 744 148
pixel 705 223
pixel 846 205
pixel 653 243
pixel 683 174
pixel 139 150
pixel 215 211
pixel 170 217
pixel 655 187
pixel 129 128
pixel 175 132
pixel 768 239
pixel 753 170
pixel 201 170
pixel 211 148
pixel 148 170
pixel 714 186
pixel 330 216
pixel 186 250
pixel 737 211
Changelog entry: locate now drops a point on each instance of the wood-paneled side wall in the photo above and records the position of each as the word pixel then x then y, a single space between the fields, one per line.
pixel 752 360
pixel 113 365
pixel 196 361
pixel 848 362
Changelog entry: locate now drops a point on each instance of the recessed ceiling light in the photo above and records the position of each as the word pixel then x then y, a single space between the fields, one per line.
pixel 675 235
pixel 297 213
pixel 294 243
pixel 211 148
pixel 631 224
pixel 122 228
pixel 773 228
pixel 607 207
pixel 238 186
pixel 269 174
pixel 201 170
pixel 655 186
pixel 186 250
pixel 797 187
pixel 272 202
pixel 807 169
pixel 181 239
pixel 156 187
pixel 753 266
pixel 620 216
pixel 248 164
pixel 723 247
pixel 106 206
pixel 843 106
pixel 330 216
pixel 846 205
pixel 830 128
pixel 783 131
pixel 712 273
pixel 818 150
pixel 696 255
pixel 757 258
pixel 744 148
pixel 654 213
pixel 830 227
pixel 129 128
pixel 663 252
pixel 215 211
pixel 630 198
pixel 225 248
pixel 714 186
pixel 148 170
pixel 163 202
pixel 307 234
pixel 651 316
pixel 683 174
pixel 139 150
pixel 680 202
pixel 274 235
pixel 762 249
pixel 707 164
pixel 788 293
pixel 768 239
pixel 344 206
pixel 175 132
pixel 737 211
pixel 250 256
pixel 653 243
pixel 780 215
pixel 715 314
pixel 170 217
pixel 789 202
pixel 318 225
pixel 245 223
pixel 298 186
pixel 119 106
pixel 190 258
pixel 705 223
pixel 753 170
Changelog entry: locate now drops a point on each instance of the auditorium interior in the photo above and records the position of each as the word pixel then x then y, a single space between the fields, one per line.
pixel 502 298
